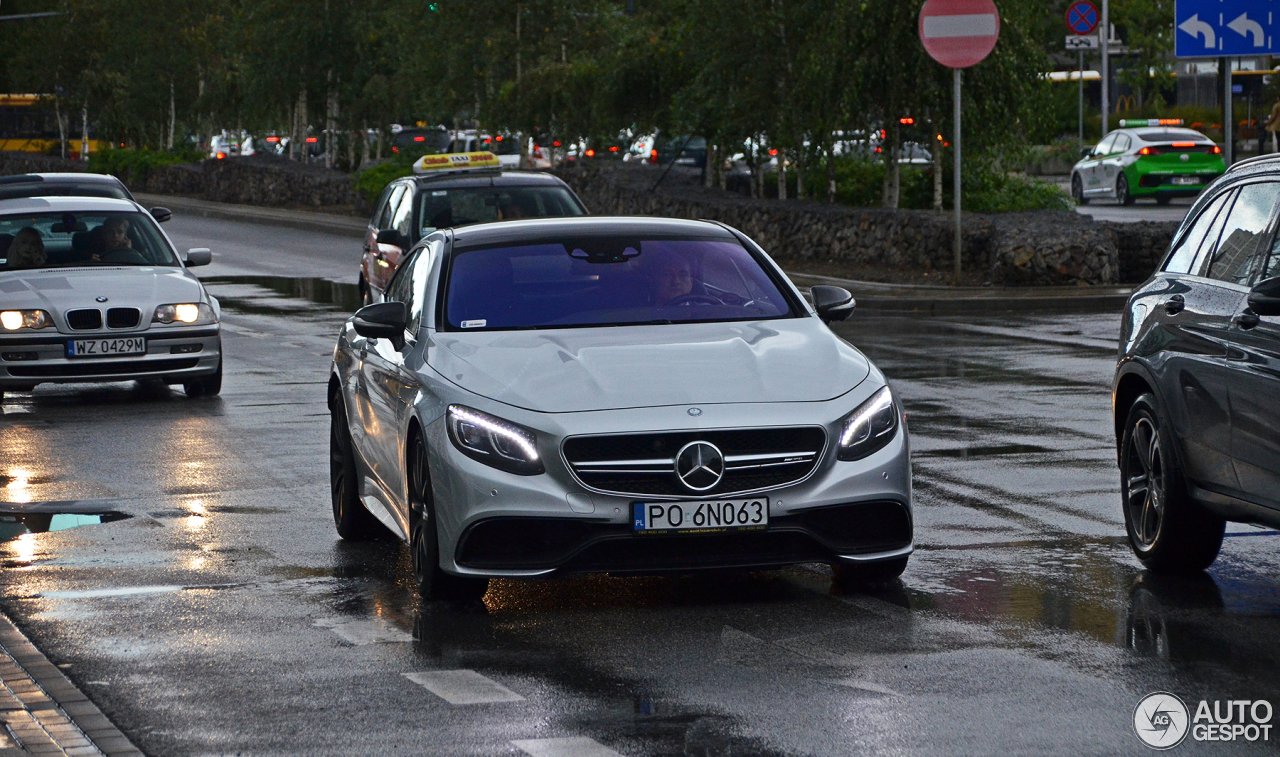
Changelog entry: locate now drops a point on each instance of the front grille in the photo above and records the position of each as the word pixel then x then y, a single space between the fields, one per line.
pixel 645 464
pixel 123 318
pixel 115 368
pixel 84 320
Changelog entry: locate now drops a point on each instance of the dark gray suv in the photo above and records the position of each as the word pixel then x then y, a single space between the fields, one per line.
pixel 1196 397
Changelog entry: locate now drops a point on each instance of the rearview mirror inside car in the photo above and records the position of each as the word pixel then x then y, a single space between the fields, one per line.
pixel 385 320
pixel 392 237
pixel 832 303
pixel 198 256
pixel 1264 299
pixel 161 214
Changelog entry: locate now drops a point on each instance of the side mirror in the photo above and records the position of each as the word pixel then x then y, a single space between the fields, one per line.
pixel 161 214
pixel 385 320
pixel 198 256
pixel 832 303
pixel 1264 299
pixel 392 237
pixel 1086 152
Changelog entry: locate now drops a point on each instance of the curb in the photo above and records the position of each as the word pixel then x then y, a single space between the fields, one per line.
pixel 328 223
pixel 45 711
pixel 919 299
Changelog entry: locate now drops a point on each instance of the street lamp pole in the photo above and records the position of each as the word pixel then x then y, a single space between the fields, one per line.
pixel 1105 38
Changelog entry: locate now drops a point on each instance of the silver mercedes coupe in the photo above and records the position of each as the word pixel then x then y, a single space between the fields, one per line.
pixel 91 290
pixel 621 395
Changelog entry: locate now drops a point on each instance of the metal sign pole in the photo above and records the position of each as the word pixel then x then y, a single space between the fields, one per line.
pixel 1081 114
pixel 955 73
pixel 1228 147
pixel 1105 35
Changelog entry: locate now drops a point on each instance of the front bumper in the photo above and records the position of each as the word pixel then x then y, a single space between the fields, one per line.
pixel 173 355
pixel 491 523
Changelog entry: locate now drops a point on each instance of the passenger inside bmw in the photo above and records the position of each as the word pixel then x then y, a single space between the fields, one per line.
pixel 26 250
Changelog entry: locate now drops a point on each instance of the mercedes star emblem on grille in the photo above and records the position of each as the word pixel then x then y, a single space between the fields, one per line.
pixel 700 466
pixel 695 411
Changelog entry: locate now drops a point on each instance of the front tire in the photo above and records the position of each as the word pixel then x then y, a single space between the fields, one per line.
pixel 352 521
pixel 1122 190
pixel 1168 531
pixel 205 386
pixel 852 578
pixel 424 542
pixel 1077 190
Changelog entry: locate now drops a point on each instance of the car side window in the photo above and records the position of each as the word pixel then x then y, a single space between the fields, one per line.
pixel 1246 224
pixel 1104 146
pixel 384 219
pixel 1184 254
pixel 1272 268
pixel 381 208
pixel 1121 144
pixel 402 216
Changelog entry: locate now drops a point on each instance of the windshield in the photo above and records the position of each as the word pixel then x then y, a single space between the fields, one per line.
pixel 61 240
pixel 608 281
pixel 444 208
pixel 63 189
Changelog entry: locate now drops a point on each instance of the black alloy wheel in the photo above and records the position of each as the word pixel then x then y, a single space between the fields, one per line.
pixel 205 386
pixel 1077 190
pixel 424 544
pixel 852 578
pixel 1122 190
pixel 352 521
pixel 1167 530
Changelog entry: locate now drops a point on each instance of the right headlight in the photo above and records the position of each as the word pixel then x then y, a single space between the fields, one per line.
pixel 869 427
pixel 493 441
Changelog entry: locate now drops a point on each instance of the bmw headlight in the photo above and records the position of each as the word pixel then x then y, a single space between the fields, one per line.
pixel 186 312
pixel 493 441
pixel 12 320
pixel 869 427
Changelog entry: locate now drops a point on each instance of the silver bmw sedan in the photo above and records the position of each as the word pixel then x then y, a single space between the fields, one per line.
pixel 624 395
pixel 92 290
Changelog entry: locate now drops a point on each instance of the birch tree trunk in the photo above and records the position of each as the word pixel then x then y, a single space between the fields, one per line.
pixel 831 172
pixel 62 124
pixel 937 173
pixel 173 115
pixel 782 175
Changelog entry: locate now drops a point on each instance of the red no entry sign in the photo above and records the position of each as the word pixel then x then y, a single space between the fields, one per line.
pixel 1082 17
pixel 959 33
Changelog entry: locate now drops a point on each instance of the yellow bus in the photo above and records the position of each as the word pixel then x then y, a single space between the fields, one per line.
pixel 28 124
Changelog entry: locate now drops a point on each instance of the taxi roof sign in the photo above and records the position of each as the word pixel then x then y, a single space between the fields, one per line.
pixel 455 161
pixel 1129 123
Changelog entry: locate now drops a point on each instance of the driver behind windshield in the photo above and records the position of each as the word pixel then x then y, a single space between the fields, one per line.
pixel 672 279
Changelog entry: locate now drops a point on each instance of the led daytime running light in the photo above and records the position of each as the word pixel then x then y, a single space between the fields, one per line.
pixel 488 424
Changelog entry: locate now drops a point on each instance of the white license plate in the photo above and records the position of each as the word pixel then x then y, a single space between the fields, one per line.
pixel 1185 180
pixel 709 515
pixel 132 345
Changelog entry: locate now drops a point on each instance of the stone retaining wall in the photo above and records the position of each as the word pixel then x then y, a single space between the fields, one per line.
pixel 1034 248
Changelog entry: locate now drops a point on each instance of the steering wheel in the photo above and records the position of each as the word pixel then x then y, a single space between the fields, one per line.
pixel 689 299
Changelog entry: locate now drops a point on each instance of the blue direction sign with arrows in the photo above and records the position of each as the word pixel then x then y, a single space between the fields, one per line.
pixel 1210 28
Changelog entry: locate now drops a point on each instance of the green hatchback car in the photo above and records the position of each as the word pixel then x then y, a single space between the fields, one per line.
pixel 1147 158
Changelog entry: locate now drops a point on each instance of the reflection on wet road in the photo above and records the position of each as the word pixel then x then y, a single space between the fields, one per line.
pixel 224 615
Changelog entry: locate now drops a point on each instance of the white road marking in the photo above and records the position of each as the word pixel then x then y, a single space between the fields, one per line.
pixel 361 632
pixel 855 683
pixel 124 591
pixel 463 687
pixel 575 746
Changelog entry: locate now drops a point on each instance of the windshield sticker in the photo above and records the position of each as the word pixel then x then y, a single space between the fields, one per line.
pixel 440 193
pixel 474 324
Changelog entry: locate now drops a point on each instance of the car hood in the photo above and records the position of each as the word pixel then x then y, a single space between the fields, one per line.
pixel 572 370
pixel 58 290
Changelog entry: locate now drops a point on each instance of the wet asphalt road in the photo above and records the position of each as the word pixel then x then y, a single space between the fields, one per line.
pixel 224 616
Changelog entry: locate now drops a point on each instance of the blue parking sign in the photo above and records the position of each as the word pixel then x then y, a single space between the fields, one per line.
pixel 1212 28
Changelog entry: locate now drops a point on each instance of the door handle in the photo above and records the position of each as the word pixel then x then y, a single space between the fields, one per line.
pixel 1246 319
pixel 1174 304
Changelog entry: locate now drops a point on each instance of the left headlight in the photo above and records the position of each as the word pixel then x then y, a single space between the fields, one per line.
pixel 493 441
pixel 185 312
pixel 869 427
pixel 12 320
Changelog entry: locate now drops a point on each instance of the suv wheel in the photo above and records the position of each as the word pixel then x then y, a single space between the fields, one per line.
pixel 1077 190
pixel 1168 532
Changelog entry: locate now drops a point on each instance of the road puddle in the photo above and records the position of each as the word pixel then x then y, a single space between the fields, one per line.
pixel 280 295
pixel 16 521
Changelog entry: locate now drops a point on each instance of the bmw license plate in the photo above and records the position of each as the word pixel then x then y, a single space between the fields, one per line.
pixel 132 345
pixel 1186 180
pixel 720 515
